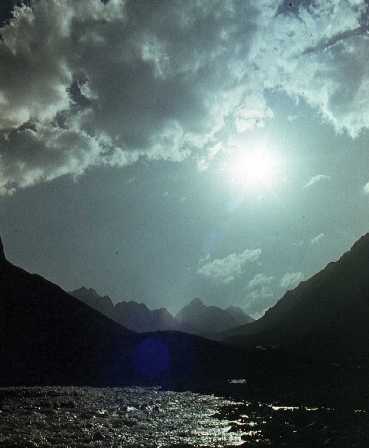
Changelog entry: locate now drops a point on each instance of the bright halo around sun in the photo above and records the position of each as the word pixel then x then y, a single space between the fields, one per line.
pixel 256 168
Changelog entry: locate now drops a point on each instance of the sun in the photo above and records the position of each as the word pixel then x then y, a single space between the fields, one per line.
pixel 253 168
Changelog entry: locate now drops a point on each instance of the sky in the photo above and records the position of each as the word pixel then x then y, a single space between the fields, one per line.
pixel 165 150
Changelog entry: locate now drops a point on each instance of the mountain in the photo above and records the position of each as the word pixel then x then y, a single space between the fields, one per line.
pixel 49 337
pixel 327 315
pixel 239 315
pixel 195 318
pixel 210 320
pixel 139 317
pixel 132 315
pixel 91 298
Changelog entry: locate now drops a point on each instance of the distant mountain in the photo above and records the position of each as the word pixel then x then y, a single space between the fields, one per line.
pixel 327 315
pixel 210 320
pixel 195 318
pixel 239 315
pixel 49 337
pixel 132 315
pixel 138 317
pixel 91 298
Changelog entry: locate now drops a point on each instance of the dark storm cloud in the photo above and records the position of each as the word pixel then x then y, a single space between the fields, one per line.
pixel 133 78
pixel 91 82
pixel 7 7
pixel 46 152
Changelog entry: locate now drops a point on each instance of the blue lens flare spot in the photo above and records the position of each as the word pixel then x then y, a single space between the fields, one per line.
pixel 151 358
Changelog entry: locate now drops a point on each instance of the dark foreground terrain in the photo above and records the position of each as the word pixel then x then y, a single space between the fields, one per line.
pixel 306 365
pixel 150 417
pixel 49 337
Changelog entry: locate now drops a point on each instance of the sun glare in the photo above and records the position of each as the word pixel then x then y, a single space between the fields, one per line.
pixel 256 168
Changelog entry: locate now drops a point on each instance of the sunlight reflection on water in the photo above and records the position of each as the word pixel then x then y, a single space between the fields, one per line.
pixel 82 417
pixel 149 417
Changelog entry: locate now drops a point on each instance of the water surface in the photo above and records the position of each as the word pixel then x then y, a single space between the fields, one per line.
pixel 149 417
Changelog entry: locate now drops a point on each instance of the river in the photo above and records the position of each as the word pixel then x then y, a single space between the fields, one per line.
pixel 150 417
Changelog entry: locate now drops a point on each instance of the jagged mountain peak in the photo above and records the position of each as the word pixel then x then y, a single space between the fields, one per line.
pixel 239 314
pixel 196 302
pixel 132 315
pixel 133 304
pixel 49 337
pixel 235 309
pixel 83 290
pixel 210 320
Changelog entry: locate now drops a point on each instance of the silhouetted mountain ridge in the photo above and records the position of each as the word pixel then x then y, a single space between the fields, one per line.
pixel 139 317
pixel 210 320
pixel 2 253
pixel 132 315
pixel 90 297
pixel 49 337
pixel 328 313
pixel 196 317
pixel 239 315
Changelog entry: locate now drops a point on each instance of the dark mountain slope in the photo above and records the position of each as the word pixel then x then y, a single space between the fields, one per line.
pixel 327 314
pixel 91 298
pixel 49 337
pixel 132 315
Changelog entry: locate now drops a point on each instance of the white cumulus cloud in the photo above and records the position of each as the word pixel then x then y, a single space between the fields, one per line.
pixel 317 239
pixel 366 188
pixel 291 279
pixel 260 280
pixel 228 268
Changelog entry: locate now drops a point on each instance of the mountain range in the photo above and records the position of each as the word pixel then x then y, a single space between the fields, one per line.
pixel 49 337
pixel 211 321
pixel 326 316
pixel 194 318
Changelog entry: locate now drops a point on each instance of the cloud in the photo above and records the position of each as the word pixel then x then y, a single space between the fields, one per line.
pixel 136 79
pixel 260 295
pixel 315 52
pixel 299 243
pixel 291 279
pixel 366 188
pixel 253 113
pixel 228 268
pixel 204 162
pixel 164 80
pixel 316 179
pixel 292 118
pixel 259 300
pixel 317 239
pixel 260 280
pixel 32 155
